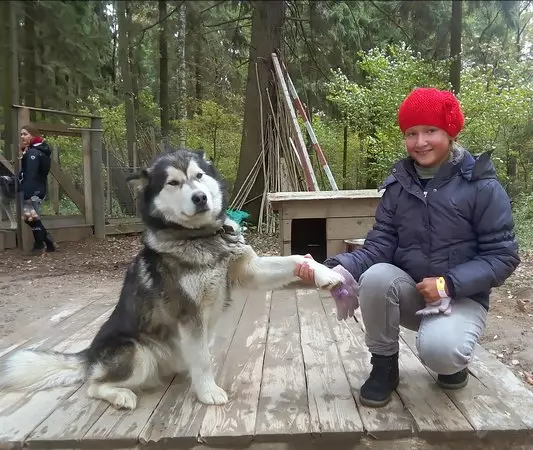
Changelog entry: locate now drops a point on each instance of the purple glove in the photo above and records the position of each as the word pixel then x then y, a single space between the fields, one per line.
pixel 345 295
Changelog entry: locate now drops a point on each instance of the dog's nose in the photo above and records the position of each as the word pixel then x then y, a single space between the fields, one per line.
pixel 199 199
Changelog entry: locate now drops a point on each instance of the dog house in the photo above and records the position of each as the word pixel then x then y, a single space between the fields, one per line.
pixel 323 223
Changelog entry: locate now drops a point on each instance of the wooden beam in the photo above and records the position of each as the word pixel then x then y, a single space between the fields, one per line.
pixel 68 186
pixel 59 129
pixel 55 111
pixel 87 178
pixel 97 185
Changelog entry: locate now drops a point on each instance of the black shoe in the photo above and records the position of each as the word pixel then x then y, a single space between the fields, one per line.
pixel 51 246
pixel 457 380
pixel 383 379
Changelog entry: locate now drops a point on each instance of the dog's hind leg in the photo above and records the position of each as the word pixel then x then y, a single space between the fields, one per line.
pixel 120 398
pixel 114 379
pixel 195 351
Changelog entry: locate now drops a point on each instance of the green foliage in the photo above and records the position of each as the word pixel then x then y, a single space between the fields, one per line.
pixel 217 131
pixel 523 216
pixel 497 102
pixel 370 107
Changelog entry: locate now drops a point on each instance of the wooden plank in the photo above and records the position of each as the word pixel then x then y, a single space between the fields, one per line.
pixel 330 208
pixel 178 417
pixel 283 413
pixel 22 335
pixel 487 415
pixel 335 246
pixel 241 377
pixel 22 412
pixel 10 238
pixel 286 229
pixel 434 414
pixel 8 165
pixel 97 187
pixel 501 381
pixel 332 408
pixel 72 233
pixel 389 422
pixel 76 413
pixel 54 185
pixel 57 129
pixel 87 182
pixel 348 227
pixel 68 186
pixel 324 195
pixel 124 228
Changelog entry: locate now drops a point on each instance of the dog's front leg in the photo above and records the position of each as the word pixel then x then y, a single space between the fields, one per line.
pixel 273 272
pixel 195 351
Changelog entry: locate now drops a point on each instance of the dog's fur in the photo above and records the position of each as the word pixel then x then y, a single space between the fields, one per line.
pixel 7 198
pixel 173 293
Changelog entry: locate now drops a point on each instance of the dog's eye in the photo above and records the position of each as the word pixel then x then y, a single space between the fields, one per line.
pixel 199 175
pixel 174 183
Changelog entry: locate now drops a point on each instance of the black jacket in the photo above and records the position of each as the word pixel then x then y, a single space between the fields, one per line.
pixel 461 229
pixel 35 166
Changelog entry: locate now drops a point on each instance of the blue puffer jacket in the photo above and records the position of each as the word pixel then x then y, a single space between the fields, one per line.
pixel 461 228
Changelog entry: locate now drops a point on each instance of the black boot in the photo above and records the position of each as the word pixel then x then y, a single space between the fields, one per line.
pixel 383 380
pixel 39 245
pixel 456 380
pixel 51 246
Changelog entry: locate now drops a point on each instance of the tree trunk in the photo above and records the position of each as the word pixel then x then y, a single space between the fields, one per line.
pixel 456 27
pixel 10 74
pixel 267 22
pixel 182 75
pixel 163 72
pixel 127 88
pixel 29 80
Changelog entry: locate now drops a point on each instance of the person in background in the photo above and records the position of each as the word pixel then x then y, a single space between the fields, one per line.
pixel 443 230
pixel 33 175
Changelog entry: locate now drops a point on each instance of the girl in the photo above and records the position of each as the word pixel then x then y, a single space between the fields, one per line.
pixel 34 168
pixel 443 228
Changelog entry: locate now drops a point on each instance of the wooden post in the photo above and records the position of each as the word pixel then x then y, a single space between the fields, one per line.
pixel 97 186
pixel 109 190
pixel 21 116
pixel 54 185
pixel 87 178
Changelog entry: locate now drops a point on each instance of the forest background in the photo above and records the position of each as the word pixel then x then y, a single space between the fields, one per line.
pixel 186 73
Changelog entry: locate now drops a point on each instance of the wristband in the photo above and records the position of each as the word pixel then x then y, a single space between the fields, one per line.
pixel 441 287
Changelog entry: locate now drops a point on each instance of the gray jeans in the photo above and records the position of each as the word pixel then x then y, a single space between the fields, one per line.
pixel 388 298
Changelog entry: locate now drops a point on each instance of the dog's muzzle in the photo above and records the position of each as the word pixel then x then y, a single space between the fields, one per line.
pixel 199 200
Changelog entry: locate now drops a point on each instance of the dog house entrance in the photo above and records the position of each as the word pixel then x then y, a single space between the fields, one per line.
pixel 309 236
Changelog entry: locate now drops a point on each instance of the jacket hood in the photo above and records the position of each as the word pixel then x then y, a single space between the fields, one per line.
pixel 42 147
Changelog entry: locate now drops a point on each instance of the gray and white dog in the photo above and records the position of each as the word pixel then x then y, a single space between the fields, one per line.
pixel 7 198
pixel 173 293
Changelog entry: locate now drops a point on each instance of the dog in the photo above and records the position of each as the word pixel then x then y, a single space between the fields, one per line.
pixel 193 257
pixel 7 198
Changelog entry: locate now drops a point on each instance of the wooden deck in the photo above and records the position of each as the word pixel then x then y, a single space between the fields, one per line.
pixel 292 372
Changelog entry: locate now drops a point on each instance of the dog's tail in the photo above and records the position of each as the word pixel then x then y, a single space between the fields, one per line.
pixel 34 369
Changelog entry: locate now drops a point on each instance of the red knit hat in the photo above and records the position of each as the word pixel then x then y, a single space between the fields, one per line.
pixel 429 106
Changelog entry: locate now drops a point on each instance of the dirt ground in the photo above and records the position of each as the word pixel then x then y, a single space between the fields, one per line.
pixel 31 287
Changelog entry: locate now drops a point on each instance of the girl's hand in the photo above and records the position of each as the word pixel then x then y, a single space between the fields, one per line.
pixel 428 288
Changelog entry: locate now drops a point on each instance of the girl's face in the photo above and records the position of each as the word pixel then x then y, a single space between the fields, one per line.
pixel 25 137
pixel 429 146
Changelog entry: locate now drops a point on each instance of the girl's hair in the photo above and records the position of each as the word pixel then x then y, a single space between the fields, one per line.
pixel 32 129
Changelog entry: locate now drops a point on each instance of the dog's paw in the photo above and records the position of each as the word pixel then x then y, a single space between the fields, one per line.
pixel 325 278
pixel 212 395
pixel 123 399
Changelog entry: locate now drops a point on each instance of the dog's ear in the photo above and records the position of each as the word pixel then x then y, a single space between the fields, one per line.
pixel 202 155
pixel 139 179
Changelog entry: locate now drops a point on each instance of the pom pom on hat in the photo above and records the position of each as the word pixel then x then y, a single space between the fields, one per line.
pixel 430 106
